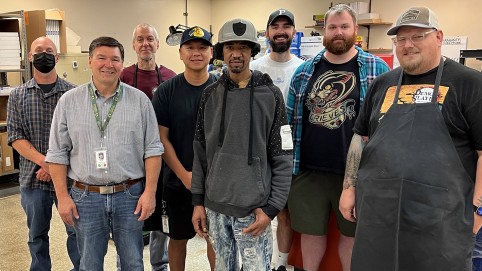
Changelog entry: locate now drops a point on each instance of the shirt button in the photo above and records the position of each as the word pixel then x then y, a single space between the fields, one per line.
pixel 105 137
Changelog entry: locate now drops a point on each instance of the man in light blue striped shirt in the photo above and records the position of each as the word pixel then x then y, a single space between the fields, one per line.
pixel 116 193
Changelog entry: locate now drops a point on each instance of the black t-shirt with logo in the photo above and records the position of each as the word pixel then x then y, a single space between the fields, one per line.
pixel 459 97
pixel 330 107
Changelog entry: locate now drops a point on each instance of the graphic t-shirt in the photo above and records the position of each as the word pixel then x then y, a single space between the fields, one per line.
pixel 459 98
pixel 331 105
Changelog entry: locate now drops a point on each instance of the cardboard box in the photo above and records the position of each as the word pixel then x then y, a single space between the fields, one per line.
pixel 369 16
pixel 360 7
pixel 37 25
pixel 7 153
pixel 3 107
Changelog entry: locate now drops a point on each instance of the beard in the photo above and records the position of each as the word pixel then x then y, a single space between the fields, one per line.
pixel 147 57
pixel 235 69
pixel 280 47
pixel 338 48
pixel 410 66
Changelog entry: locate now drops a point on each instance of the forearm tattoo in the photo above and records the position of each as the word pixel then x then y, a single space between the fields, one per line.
pixel 353 161
pixel 479 201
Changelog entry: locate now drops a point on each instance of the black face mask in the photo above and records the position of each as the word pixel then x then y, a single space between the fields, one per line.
pixel 44 62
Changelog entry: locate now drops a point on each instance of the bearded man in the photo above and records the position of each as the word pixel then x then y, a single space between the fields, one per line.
pixel 324 99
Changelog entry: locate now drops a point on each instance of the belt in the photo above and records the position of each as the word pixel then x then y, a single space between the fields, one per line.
pixel 106 189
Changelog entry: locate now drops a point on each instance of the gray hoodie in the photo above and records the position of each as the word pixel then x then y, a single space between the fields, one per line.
pixel 242 148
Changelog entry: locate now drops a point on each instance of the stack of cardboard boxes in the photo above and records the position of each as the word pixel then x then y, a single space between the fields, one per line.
pixel 6 154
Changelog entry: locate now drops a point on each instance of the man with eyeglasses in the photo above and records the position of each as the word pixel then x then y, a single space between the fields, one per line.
pixel 414 157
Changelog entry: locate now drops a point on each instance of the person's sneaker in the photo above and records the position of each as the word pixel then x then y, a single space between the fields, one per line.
pixel 280 268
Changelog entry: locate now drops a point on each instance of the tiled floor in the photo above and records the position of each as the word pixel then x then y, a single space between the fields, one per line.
pixel 14 254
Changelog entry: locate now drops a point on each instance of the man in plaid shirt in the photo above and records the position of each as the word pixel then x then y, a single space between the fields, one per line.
pixel 30 110
pixel 323 102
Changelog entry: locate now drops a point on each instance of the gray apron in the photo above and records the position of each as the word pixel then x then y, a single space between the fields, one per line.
pixel 413 195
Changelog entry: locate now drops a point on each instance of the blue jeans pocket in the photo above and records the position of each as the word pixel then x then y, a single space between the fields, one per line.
pixel 77 195
pixel 135 191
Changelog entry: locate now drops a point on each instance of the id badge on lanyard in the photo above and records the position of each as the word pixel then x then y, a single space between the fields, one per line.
pixel 100 154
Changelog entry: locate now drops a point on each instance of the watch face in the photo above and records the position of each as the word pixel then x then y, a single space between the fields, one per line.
pixel 479 211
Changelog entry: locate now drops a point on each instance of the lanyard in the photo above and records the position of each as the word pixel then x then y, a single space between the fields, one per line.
pixel 159 79
pixel 115 99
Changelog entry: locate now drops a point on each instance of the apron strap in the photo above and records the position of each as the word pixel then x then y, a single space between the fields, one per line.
pixel 438 79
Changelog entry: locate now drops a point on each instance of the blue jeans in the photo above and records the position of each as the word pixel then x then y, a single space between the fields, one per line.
pixel 227 238
pixel 477 252
pixel 99 215
pixel 37 204
pixel 158 250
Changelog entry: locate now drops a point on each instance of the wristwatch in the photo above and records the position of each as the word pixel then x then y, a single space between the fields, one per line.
pixel 478 210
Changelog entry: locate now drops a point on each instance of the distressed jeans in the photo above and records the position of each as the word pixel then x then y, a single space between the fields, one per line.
pixel 37 204
pixel 227 238
pixel 477 252
pixel 101 214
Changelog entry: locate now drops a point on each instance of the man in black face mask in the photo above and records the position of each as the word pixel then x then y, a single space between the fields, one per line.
pixel 28 134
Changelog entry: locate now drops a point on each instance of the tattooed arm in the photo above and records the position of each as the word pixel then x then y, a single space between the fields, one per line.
pixel 478 192
pixel 347 198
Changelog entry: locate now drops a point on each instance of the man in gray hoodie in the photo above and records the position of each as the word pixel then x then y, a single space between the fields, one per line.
pixel 242 155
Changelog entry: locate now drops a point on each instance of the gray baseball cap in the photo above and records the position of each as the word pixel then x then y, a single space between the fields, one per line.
pixel 237 30
pixel 422 17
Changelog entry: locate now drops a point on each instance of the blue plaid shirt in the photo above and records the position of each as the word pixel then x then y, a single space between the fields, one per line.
pixel 29 115
pixel 370 66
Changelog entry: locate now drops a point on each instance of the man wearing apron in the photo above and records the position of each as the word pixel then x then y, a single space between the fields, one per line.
pixel 415 177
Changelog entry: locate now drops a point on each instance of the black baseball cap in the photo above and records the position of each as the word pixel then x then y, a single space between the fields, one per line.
pixel 281 12
pixel 196 33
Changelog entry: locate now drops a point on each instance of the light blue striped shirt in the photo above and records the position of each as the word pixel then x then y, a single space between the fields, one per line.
pixel 131 136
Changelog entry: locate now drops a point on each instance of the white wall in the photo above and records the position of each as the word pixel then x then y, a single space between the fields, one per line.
pixel 456 18
pixel 117 18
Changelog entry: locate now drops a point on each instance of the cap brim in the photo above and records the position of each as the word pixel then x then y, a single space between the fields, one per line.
pixel 196 38
pixel 274 19
pixel 393 31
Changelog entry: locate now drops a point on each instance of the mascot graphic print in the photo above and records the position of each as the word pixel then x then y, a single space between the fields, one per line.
pixel 327 101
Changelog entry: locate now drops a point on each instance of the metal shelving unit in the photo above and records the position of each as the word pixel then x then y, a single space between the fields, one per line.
pixel 25 70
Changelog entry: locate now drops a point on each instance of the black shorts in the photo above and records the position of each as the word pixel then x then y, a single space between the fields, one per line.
pixel 178 206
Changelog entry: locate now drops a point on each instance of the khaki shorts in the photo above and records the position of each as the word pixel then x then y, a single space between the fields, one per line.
pixel 312 196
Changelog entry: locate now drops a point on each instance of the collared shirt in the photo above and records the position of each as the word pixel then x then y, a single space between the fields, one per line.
pixel 131 136
pixel 370 67
pixel 29 116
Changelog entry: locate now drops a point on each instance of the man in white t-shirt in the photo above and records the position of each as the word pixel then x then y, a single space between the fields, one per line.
pixel 280 64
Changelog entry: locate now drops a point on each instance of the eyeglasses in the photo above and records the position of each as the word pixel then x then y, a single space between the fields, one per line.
pixel 400 41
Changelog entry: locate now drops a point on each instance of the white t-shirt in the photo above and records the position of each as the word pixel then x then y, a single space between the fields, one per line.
pixel 280 72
